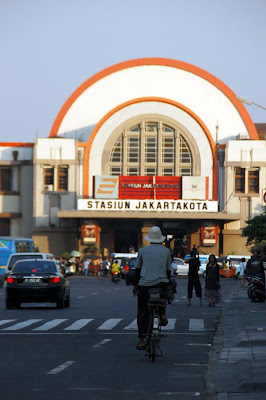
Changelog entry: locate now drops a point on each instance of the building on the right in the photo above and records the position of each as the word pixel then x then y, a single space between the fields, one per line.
pixel 244 188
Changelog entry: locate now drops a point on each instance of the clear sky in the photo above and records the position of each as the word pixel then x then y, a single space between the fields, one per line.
pixel 50 47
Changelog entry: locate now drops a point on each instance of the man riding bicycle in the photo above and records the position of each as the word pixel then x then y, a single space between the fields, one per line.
pixel 153 269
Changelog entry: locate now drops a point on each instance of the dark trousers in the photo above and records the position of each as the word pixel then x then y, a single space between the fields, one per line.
pixel 143 309
pixel 193 282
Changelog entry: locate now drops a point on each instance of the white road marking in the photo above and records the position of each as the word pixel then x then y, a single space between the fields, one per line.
pixel 94 294
pixel 78 324
pixel 198 344
pixel 80 297
pixel 22 325
pixel 184 297
pixel 109 324
pixel 6 321
pixel 60 368
pixel 191 364
pixel 133 326
pixel 170 325
pixel 50 325
pixel 176 301
pixel 103 342
pixel 196 324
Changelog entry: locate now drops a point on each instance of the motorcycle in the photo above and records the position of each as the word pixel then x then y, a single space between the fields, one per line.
pixel 256 288
pixel 115 277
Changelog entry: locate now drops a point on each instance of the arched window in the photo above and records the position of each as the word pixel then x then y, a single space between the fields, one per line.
pixel 151 148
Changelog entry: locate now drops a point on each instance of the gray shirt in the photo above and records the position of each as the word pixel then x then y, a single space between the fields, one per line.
pixel 153 260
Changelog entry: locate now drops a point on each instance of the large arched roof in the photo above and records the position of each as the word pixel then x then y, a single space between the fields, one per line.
pixel 250 127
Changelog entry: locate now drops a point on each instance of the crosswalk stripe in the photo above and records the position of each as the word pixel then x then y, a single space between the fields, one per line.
pixel 133 326
pixel 49 325
pixel 78 325
pixel 6 321
pixel 21 325
pixel 196 324
pixel 110 324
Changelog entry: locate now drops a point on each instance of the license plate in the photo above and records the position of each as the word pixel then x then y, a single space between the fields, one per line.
pixel 32 280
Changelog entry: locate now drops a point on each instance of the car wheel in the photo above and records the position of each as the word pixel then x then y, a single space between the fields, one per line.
pixel 9 304
pixel 60 302
pixel 67 301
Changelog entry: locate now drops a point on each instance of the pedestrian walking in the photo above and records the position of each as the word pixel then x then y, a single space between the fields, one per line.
pixel 213 292
pixel 85 267
pixel 193 278
pixel 242 273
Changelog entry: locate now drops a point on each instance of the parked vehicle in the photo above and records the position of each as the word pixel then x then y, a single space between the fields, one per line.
pixel 181 267
pixel 37 281
pixel 232 262
pixel 203 263
pixel 129 271
pixel 256 288
pixel 10 245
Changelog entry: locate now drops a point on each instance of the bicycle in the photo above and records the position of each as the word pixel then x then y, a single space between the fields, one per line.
pixel 156 304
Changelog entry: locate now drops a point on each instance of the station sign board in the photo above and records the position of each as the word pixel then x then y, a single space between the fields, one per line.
pixel 148 205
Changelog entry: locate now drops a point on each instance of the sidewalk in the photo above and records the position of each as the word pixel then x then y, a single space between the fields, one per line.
pixel 241 359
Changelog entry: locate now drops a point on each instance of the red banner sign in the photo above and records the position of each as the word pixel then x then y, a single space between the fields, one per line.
pixel 150 187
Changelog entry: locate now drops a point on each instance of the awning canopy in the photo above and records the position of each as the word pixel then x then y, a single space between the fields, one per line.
pixel 221 216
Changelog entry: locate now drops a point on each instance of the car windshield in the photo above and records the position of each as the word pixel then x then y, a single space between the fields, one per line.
pixel 19 257
pixel 44 267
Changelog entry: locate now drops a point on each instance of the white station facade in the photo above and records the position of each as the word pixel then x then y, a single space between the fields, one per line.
pixel 144 142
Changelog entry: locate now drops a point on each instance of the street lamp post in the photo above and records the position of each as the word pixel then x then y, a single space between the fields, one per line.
pixel 249 102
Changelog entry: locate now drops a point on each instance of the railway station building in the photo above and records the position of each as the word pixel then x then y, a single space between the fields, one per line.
pixel 145 142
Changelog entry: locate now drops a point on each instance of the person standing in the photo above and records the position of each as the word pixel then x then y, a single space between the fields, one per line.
pixel 253 264
pixel 105 267
pixel 213 292
pixel 85 267
pixel 153 270
pixel 242 267
pixel 193 278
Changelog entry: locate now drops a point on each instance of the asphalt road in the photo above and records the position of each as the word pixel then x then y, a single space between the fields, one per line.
pixel 88 351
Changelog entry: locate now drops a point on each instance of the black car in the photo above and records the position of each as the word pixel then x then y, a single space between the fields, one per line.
pixel 37 281
pixel 130 271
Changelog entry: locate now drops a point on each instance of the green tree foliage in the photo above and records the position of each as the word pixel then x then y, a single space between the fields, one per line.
pixel 255 231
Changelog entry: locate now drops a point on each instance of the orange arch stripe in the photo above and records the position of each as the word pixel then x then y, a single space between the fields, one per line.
pixel 140 100
pixel 156 61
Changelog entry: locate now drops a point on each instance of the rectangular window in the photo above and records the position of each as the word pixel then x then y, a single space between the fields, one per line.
pixel 185 172
pixel 151 149
pixel 62 178
pixel 253 181
pixel 22 246
pixel 4 227
pixel 114 171
pixel 168 172
pixel 240 180
pixel 150 171
pixel 48 176
pixel 6 179
pixel 168 149
pixel 133 171
pixel 133 149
